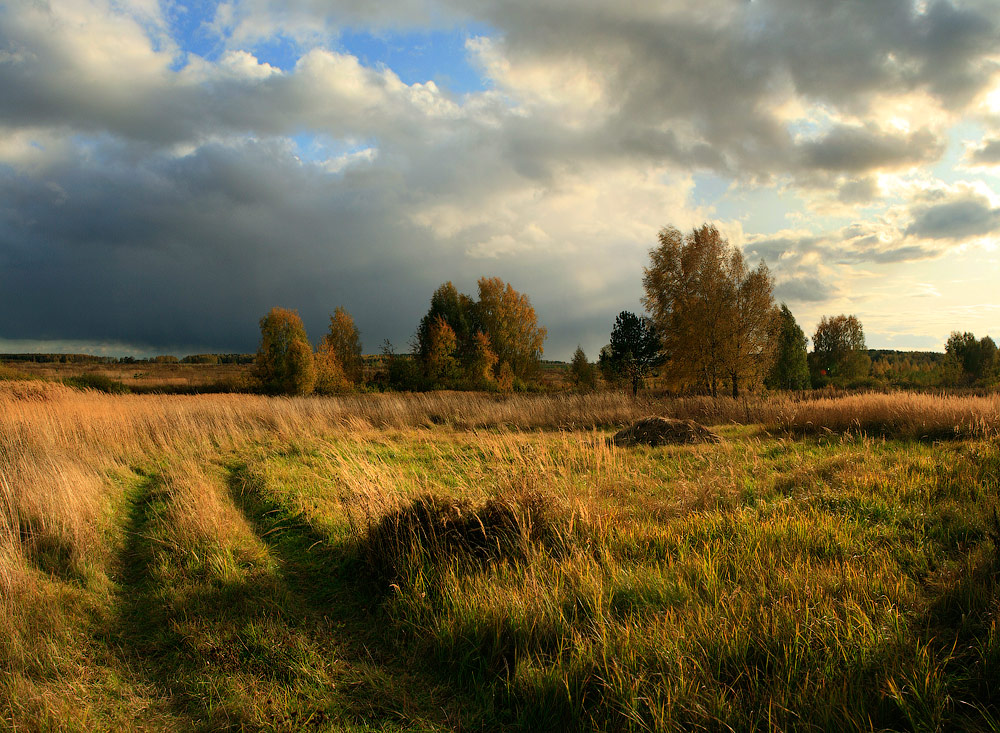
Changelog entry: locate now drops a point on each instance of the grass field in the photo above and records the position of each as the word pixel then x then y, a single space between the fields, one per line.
pixel 451 561
pixel 149 377
pixel 140 377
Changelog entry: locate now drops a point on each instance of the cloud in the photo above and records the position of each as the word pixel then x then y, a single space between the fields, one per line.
pixel 805 289
pixel 151 195
pixel 954 215
pixel 856 149
pixel 859 191
pixel 987 153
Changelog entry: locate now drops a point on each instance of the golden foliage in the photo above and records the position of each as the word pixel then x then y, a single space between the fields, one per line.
pixel 285 358
pixel 343 340
pixel 509 320
pixel 716 319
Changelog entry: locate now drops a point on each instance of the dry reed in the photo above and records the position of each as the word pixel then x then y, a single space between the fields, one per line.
pixel 899 415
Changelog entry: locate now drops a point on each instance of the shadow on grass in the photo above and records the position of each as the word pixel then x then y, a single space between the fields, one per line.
pixel 272 651
pixel 333 588
pixel 154 597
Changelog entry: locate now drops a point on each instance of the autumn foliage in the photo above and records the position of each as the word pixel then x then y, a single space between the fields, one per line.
pixel 492 342
pixel 284 362
pixel 716 318
pixel 339 365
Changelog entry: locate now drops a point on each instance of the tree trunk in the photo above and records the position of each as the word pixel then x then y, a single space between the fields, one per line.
pixel 736 387
pixel 635 385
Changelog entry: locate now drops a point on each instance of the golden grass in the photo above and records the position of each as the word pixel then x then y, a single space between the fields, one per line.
pixel 687 586
pixel 895 415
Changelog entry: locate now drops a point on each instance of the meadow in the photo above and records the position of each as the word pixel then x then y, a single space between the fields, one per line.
pixel 448 561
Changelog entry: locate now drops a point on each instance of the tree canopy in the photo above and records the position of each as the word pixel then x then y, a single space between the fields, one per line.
pixel 493 339
pixel 791 366
pixel 582 374
pixel 343 341
pixel 284 361
pixel 715 317
pixel 455 309
pixel 839 353
pixel 634 350
pixel 508 318
pixel 970 361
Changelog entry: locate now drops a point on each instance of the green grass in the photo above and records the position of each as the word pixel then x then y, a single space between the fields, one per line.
pixel 767 582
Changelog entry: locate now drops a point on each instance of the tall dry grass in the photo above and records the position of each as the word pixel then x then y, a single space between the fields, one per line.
pixel 899 415
pixel 58 445
pixel 800 551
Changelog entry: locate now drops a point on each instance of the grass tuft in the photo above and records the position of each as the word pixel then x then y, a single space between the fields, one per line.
pixel 436 530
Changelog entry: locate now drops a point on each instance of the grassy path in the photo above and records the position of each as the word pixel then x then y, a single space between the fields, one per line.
pixel 327 584
pixel 263 623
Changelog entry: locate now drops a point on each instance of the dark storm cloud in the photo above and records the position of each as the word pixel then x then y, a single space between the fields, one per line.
pixel 192 251
pixel 954 216
pixel 186 254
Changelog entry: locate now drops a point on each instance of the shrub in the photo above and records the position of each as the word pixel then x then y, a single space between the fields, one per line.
pixel 97 382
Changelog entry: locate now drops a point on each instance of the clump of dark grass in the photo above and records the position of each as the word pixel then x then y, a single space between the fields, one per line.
pixel 436 530
pixel 97 383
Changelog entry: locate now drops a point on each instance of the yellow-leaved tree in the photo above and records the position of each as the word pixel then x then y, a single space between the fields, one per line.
pixel 338 356
pixel 509 320
pixel 715 318
pixel 284 361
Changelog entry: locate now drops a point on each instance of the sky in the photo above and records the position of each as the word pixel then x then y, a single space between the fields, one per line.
pixel 170 171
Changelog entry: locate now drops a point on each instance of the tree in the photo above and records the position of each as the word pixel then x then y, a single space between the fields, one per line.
pixel 330 377
pixel 440 364
pixel 634 349
pixel 990 360
pixel 791 366
pixel 458 311
pixel 284 361
pixel 970 361
pixel 607 366
pixel 508 319
pixel 343 340
pixel 839 351
pixel 581 372
pixel 714 316
pixel 482 362
pixel 502 316
pixel 505 378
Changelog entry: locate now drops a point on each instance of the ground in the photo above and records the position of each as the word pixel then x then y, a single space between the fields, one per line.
pixel 238 562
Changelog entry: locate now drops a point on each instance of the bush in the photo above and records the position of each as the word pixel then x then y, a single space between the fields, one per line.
pixel 98 383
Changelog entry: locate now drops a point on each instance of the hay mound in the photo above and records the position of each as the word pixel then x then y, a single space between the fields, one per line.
pixel 656 431
pixel 436 529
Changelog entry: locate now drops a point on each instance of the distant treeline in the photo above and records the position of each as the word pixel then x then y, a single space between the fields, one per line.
pixel 162 359
pixel 60 358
